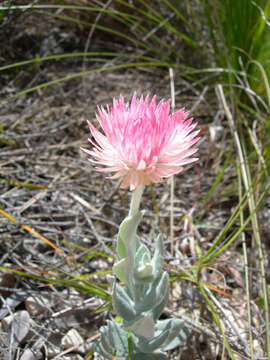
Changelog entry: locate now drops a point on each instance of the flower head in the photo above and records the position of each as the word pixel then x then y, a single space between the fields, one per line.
pixel 142 142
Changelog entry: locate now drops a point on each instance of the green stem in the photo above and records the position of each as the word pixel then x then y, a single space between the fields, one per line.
pixel 134 208
pixel 135 200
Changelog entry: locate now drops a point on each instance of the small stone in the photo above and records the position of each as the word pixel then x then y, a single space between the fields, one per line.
pixel 36 305
pixel 18 326
pixel 20 323
pixel 6 322
pixel 53 350
pixel 11 302
pixel 73 340
pixel 29 354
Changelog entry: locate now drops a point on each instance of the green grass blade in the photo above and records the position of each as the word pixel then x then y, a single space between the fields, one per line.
pixel 79 54
pixel 265 79
pixel 245 257
pixel 85 73
pixel 89 288
pixel 219 175
pixel 91 251
pixel 216 318
pixel 245 172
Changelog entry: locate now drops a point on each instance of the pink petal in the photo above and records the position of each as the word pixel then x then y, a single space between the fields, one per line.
pixel 142 142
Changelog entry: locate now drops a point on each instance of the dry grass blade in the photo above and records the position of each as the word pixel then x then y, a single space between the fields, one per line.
pixel 37 234
pixel 90 35
pixel 245 257
pixel 254 220
pixel 23 184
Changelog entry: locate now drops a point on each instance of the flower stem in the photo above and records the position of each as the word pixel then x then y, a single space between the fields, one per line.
pixel 130 250
pixel 135 200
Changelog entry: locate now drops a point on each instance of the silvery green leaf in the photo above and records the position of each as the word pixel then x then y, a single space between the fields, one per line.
pixel 158 309
pixel 158 256
pixel 121 357
pixel 105 347
pixel 162 294
pixel 156 296
pixel 155 343
pixel 118 337
pixel 165 333
pixel 142 256
pixel 115 342
pixel 144 280
pixel 143 268
pixel 113 339
pixel 178 333
pixel 122 303
pixel 143 356
pixel 121 249
pixel 119 270
pixel 100 349
pixel 162 288
pixel 144 273
pixel 142 326
pixel 127 234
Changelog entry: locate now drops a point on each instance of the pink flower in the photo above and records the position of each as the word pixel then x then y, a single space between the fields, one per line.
pixel 143 143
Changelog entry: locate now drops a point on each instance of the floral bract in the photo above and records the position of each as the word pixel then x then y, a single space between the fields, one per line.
pixel 142 142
